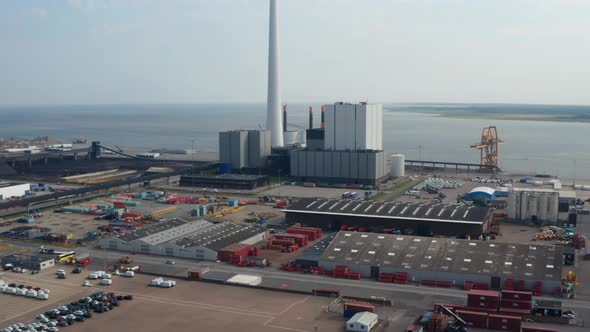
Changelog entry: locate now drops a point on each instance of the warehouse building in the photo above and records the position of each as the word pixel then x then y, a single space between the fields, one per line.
pixel 30 262
pixel 226 181
pixel 8 190
pixel 445 259
pixel 187 239
pixel 424 219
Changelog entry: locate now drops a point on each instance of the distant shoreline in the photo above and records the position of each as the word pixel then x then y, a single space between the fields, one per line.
pixel 475 114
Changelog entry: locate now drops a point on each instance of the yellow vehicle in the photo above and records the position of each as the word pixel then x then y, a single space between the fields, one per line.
pixel 125 260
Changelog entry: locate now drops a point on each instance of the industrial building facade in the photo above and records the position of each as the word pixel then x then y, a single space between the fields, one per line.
pixel 244 148
pixel 357 167
pixel 424 219
pixel 353 126
pixel 30 262
pixel 198 240
pixel 444 259
pixel 8 190
pixel 226 181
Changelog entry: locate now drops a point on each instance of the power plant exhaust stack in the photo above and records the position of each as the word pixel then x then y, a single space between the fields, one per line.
pixel 322 123
pixel 285 117
pixel 310 117
pixel 273 111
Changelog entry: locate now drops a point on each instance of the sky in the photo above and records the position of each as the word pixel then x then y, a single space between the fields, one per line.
pixel 201 51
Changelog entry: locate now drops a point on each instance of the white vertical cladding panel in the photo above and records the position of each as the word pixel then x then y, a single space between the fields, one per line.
pixel 340 122
pixel 345 164
pixel 318 163
pixel 362 123
pixel 327 163
pixel 379 125
pixel 335 164
pixel 369 130
pixel 294 162
pixel 310 163
pixel 350 133
pixel 303 163
pixel 363 172
pixel 354 165
pixel 329 130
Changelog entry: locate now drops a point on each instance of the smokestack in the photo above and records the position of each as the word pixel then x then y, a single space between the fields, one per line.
pixel 322 124
pixel 285 117
pixel 273 111
pixel 310 117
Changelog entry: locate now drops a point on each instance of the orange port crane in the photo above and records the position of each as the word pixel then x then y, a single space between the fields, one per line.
pixel 488 147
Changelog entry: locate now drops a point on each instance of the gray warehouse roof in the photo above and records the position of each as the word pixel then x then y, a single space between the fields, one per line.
pixel 454 213
pixel 188 234
pixel 219 236
pixel 540 262
pixel 152 229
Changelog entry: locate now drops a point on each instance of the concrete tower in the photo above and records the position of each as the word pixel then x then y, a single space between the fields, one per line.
pixel 273 111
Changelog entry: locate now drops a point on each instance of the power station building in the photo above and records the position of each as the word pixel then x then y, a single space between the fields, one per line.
pixel 424 219
pixel 348 148
pixel 445 259
pixel 244 148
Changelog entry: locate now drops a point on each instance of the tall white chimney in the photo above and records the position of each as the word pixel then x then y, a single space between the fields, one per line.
pixel 273 112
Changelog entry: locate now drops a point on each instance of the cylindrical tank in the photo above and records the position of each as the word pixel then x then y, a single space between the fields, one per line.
pixel 533 199
pixel 542 207
pixel 586 188
pixel 524 205
pixel 398 165
pixel 553 208
pixel 512 206
pixel 578 187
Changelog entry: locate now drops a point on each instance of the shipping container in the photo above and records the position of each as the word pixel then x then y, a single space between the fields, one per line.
pixel 474 319
pixel 537 329
pixel 516 295
pixel 504 323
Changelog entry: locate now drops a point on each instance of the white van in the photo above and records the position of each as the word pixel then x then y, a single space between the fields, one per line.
pixel 168 284
pixel 106 282
pixel 129 274
pixel 31 293
pixel 93 276
pixel 42 296
pixel 10 290
pixel 156 282
pixel 21 291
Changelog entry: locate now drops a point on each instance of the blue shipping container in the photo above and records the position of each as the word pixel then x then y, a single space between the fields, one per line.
pixel 225 168
pixel 348 313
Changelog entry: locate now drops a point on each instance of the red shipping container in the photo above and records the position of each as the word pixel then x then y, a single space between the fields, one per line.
pixel 537 329
pixel 474 319
pixel 516 295
pixel 516 304
pixel 484 293
pixel 515 311
pixel 505 323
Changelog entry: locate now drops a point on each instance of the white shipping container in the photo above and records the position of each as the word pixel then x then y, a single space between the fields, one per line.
pixel 244 279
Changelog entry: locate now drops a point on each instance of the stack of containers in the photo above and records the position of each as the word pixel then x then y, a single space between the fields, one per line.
pixel 351 308
pixel 437 322
pixel 483 299
pixel 537 288
pixel 509 284
pixel 236 249
pixel 400 278
pixel 517 302
pixel 386 277
pixel 300 239
pixel 474 319
pixel 504 323
pixel 341 271
pixel 312 233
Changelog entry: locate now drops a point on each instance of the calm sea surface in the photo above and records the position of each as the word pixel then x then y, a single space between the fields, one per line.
pixel 531 146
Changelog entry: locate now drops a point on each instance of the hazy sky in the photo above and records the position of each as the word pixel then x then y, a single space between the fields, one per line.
pixel 168 51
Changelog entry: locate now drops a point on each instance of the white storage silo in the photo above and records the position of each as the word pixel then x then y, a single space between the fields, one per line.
pixel 542 207
pixel 512 206
pixel 398 165
pixel 524 205
pixel 553 213
pixel 533 199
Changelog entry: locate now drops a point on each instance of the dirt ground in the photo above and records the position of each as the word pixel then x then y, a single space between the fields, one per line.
pixel 190 304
